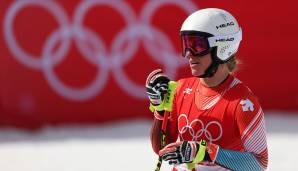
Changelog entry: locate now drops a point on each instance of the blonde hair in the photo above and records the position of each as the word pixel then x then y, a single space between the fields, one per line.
pixel 232 64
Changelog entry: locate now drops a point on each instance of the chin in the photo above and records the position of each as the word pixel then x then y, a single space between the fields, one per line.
pixel 196 73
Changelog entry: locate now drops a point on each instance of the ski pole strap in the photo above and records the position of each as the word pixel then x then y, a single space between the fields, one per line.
pixel 167 103
pixel 199 156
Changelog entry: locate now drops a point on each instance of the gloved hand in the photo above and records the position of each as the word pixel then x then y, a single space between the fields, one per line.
pixel 157 86
pixel 184 152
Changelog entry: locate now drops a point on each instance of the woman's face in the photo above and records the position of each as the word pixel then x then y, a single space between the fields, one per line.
pixel 198 65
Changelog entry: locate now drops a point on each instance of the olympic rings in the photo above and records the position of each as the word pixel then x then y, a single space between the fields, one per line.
pixel 107 59
pixel 204 129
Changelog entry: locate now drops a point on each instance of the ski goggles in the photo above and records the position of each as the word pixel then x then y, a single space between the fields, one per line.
pixel 200 43
pixel 197 45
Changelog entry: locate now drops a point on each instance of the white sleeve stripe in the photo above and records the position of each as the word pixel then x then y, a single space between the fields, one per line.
pixel 256 142
pixel 259 130
pixel 251 123
pixel 252 128
pixel 258 148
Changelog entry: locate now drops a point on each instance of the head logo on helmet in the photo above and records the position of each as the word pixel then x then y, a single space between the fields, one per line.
pixel 224 40
pixel 221 31
pixel 225 25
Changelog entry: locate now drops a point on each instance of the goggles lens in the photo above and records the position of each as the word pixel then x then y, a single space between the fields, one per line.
pixel 197 45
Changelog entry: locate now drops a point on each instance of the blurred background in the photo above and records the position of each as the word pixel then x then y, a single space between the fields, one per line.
pixel 72 77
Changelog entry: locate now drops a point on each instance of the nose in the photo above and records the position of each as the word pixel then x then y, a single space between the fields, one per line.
pixel 188 55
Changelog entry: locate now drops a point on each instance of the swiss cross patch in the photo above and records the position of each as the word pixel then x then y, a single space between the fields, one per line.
pixel 187 91
pixel 247 105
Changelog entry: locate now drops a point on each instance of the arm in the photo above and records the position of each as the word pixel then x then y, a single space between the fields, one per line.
pixel 161 92
pixel 154 135
pixel 171 131
pixel 250 121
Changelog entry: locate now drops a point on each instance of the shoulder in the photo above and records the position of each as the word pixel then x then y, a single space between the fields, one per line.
pixel 240 95
pixel 238 90
pixel 243 106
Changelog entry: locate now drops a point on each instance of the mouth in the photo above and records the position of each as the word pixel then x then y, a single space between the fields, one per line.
pixel 193 64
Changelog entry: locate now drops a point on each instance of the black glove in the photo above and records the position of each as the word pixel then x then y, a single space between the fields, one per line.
pixel 156 86
pixel 184 152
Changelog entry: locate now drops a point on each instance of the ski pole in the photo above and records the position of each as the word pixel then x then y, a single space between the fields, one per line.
pixel 163 139
pixel 167 108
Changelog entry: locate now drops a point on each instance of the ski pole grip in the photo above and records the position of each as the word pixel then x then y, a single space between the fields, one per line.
pixel 167 103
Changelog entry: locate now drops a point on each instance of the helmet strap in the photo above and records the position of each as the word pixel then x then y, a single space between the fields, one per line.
pixel 211 70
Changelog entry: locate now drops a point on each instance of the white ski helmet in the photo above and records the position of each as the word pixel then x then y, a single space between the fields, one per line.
pixel 219 29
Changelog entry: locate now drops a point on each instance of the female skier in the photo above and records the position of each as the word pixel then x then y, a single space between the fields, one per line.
pixel 216 122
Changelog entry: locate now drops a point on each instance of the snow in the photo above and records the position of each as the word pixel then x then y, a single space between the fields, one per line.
pixel 119 146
